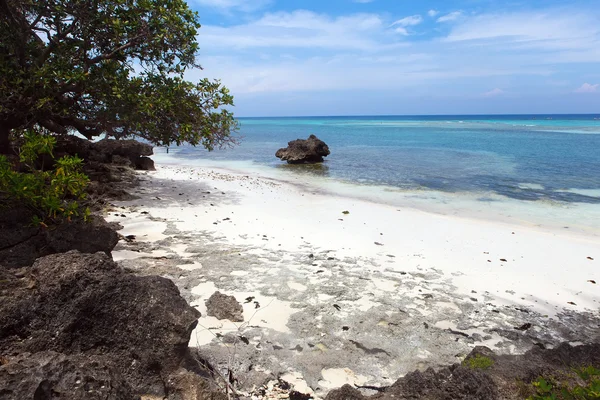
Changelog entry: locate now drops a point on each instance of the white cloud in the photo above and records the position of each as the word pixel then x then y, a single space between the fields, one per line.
pixel 432 13
pixel 409 21
pixel 544 30
pixel 307 52
pixel 588 88
pixel 302 29
pixel 453 16
pixel 493 93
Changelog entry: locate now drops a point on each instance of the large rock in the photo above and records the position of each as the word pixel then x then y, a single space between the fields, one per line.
pixel 106 151
pixel 221 306
pixel 49 375
pixel 311 150
pixel 505 377
pixel 21 243
pixel 75 303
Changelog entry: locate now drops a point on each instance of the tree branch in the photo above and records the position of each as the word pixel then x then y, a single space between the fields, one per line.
pixel 112 54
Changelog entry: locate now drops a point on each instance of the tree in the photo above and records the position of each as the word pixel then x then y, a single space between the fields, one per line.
pixel 113 67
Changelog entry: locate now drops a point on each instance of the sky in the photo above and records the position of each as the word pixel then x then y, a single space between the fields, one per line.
pixel 402 57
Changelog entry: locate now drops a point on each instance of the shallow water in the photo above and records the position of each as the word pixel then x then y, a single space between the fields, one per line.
pixel 539 167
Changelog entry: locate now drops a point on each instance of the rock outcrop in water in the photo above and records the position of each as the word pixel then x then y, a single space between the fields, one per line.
pixel 300 151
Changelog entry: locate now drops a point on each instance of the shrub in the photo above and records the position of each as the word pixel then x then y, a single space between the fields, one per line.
pixel 52 194
pixel 586 386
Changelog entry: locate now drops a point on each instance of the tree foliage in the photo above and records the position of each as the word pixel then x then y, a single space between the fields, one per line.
pixel 52 194
pixel 114 67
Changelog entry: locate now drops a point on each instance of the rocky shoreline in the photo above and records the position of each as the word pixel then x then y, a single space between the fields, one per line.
pixel 74 324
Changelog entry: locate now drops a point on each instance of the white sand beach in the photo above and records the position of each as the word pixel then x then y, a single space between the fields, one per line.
pixel 339 289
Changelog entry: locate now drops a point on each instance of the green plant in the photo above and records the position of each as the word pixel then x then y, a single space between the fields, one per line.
pixel 108 67
pixel 52 194
pixel 478 362
pixel 585 387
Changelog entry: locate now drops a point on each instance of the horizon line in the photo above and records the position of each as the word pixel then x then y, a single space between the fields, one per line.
pixel 419 115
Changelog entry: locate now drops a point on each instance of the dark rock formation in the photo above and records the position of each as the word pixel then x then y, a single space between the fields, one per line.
pixel 311 150
pixel 145 164
pixel 85 304
pixel 21 242
pixel 222 306
pixel 508 377
pixel 105 151
pixel 49 375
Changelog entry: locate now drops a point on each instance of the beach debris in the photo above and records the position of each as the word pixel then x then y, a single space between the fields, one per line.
pixel 300 151
pixel 503 260
pixel 523 327
pixel 390 255
pixel 368 350
pixel 249 299
pixel 590 258
pixel 346 212
pixel 256 305
pixel 571 303
pixel 222 306
pixel 337 307
pixel 311 255
pixel 379 244
pixel 345 328
pixel 592 281
pixel 244 339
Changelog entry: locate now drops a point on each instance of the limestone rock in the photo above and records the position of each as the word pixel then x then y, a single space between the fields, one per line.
pixel 21 243
pixel 222 306
pixel 85 304
pixel 311 150
pixel 50 375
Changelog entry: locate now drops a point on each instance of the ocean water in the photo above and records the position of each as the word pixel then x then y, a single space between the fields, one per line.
pixel 522 160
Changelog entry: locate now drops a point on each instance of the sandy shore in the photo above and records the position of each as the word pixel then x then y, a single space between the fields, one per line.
pixel 339 290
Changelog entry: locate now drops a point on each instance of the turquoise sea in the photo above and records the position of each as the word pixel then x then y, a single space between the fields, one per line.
pixel 524 159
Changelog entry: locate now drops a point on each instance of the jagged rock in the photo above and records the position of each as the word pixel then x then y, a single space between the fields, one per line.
pixel 185 385
pixel 507 376
pixel 21 242
pixel 75 303
pixel 222 306
pixel 105 151
pixel 311 150
pixel 49 375
pixel 346 392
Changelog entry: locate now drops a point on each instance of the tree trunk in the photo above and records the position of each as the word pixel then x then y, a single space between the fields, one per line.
pixel 4 140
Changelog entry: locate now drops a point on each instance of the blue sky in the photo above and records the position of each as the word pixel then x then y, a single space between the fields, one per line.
pixel 361 57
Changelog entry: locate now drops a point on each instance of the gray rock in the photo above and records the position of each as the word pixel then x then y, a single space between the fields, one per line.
pixel 75 303
pixel 222 306
pixel 50 375
pixel 145 164
pixel 21 243
pixel 311 150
